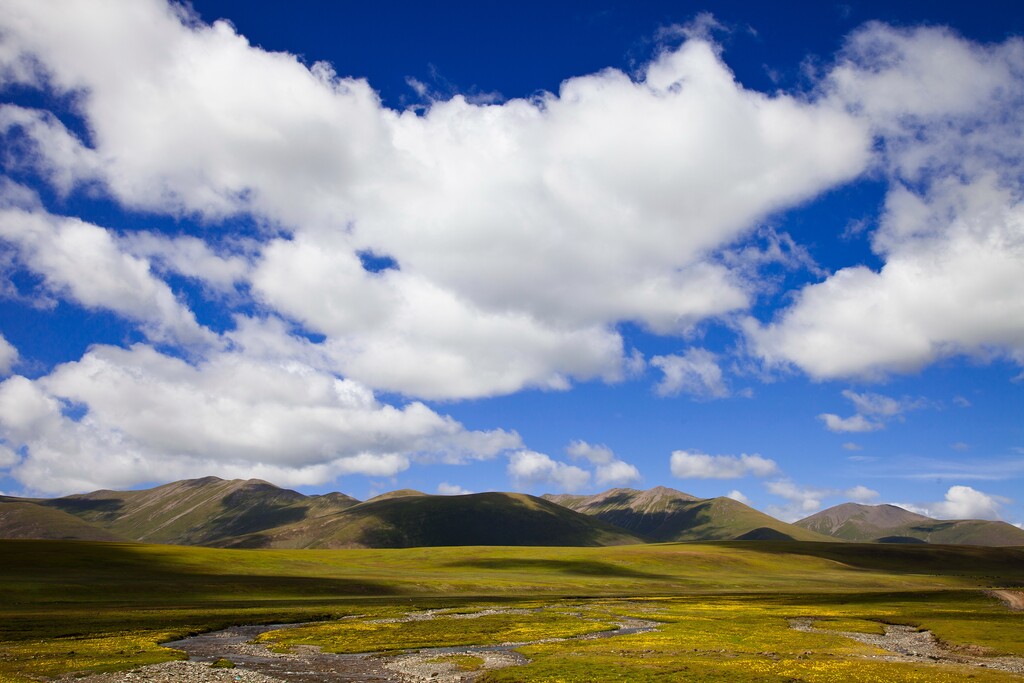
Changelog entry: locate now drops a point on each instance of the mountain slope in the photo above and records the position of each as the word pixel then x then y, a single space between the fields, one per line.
pixel 664 514
pixel 425 520
pixel 22 518
pixel 889 523
pixel 205 511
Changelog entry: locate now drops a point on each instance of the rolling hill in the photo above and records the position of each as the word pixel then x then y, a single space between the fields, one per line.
pixel 21 518
pixel 418 519
pixel 892 524
pixel 206 511
pixel 253 513
pixel 664 514
pixel 256 514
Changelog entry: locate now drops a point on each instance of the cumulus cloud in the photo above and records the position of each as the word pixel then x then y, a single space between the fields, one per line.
pixel 738 496
pixel 802 500
pixel 964 502
pixel 188 256
pixel 855 423
pixel 8 355
pixel 446 489
pixel 530 468
pixel 145 416
pixel 872 412
pixel 534 226
pixel 692 465
pixel 696 372
pixel 861 494
pixel 609 470
pixel 806 500
pixel 46 147
pixel 946 112
pixel 83 263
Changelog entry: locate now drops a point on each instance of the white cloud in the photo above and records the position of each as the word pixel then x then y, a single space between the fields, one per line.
pixel 8 355
pixel 876 404
pixel 150 417
pixel 616 473
pixel 696 372
pixel 861 494
pixel 83 262
pixel 964 502
pixel 56 153
pixel 530 468
pixel 690 465
pixel 855 423
pixel 961 401
pixel 947 114
pixel 7 457
pixel 598 454
pixel 851 446
pixel 873 410
pixel 802 501
pixel 446 489
pixel 532 226
pixel 738 496
pixel 609 470
pixel 188 256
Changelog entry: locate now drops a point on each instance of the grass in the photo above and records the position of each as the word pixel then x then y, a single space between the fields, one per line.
pixel 452 629
pixel 76 606
pixel 461 662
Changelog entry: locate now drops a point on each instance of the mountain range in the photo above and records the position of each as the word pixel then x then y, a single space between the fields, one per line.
pixel 257 514
pixel 892 524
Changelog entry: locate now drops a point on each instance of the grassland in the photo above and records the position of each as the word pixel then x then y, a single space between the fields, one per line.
pixel 77 606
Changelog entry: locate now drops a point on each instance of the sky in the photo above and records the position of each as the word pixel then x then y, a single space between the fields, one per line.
pixel 774 252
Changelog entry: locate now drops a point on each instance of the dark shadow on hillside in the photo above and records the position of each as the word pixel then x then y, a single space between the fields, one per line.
pixel 146 578
pixel 244 515
pixel 478 519
pixel 617 499
pixel 764 534
pixel 106 508
pixel 578 567
pixel 998 564
pixel 663 525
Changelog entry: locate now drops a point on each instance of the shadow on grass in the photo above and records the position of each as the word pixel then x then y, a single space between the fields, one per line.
pixel 1000 565
pixel 577 567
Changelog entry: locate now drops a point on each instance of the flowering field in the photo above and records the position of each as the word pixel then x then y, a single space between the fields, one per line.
pixel 722 609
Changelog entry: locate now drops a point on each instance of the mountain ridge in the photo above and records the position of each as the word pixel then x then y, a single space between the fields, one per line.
pixel 892 524
pixel 664 514
pixel 252 513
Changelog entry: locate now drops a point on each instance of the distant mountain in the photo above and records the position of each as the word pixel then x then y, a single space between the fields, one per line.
pixel 892 524
pixel 256 514
pixel 423 520
pixel 207 511
pixel 664 514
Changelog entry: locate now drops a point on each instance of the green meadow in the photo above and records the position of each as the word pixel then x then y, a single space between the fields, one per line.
pixel 722 608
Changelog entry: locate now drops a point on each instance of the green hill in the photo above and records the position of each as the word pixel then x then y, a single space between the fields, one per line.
pixel 884 523
pixel 22 518
pixel 206 511
pixel 405 521
pixel 664 514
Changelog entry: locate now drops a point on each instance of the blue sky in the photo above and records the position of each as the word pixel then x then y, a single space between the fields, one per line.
pixel 777 255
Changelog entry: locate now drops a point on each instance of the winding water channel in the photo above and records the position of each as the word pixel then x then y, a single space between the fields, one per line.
pixel 310 665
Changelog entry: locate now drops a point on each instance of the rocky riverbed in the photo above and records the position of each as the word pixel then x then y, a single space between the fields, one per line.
pixel 255 663
pixel 909 644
